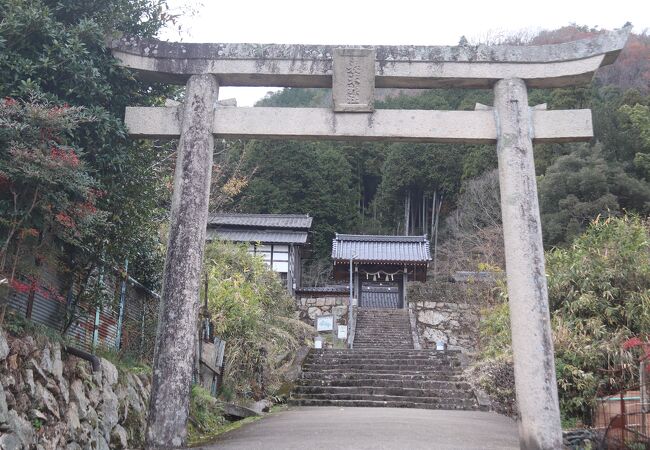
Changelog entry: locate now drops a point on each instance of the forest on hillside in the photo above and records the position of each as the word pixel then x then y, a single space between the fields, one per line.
pixel 400 188
pixel 113 193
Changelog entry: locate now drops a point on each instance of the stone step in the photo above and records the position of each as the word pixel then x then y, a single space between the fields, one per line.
pixel 380 347
pixel 342 372
pixel 385 332
pixel 387 398
pixel 382 391
pixel 382 364
pixel 383 337
pixel 392 332
pixel 346 351
pixel 371 356
pixel 375 404
pixel 396 403
pixel 361 375
pixel 375 382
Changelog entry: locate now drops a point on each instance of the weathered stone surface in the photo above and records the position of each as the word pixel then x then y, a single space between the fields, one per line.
pixel 313 311
pixel 535 378
pixel 29 381
pixel 431 317
pixel 558 65
pixel 238 411
pixel 27 403
pixel 4 410
pixel 109 372
pixel 72 419
pixel 119 438
pixel 63 389
pixel 340 311
pixel 46 361
pixel 21 429
pixel 108 412
pixel 134 400
pixel 445 322
pixel 45 399
pixel 57 363
pixel 321 123
pixel 102 444
pixel 78 395
pixel 4 346
pixel 353 79
pixel 172 368
pixel 261 406
pixel 37 370
pixel 36 414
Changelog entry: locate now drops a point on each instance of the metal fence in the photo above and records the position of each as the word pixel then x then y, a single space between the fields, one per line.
pixel 126 323
pixel 623 419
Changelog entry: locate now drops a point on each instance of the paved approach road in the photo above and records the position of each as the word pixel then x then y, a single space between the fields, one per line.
pixel 310 428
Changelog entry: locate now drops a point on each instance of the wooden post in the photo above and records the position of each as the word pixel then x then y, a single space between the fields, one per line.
pixel 179 306
pixel 532 345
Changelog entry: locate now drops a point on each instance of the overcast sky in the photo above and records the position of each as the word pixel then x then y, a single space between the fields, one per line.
pixel 426 22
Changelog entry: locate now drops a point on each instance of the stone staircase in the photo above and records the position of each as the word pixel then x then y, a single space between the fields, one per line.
pixel 383 328
pixel 384 370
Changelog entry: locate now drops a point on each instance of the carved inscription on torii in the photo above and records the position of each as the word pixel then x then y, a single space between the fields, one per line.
pixel 353 80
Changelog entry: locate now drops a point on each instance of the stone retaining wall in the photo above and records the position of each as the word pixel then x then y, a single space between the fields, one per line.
pixel 308 308
pixel 454 324
pixel 447 312
pixel 54 401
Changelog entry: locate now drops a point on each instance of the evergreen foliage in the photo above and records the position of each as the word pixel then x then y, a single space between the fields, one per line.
pixel 57 50
pixel 599 292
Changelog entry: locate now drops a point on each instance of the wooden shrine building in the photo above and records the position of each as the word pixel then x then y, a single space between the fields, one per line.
pixel 278 238
pixel 381 266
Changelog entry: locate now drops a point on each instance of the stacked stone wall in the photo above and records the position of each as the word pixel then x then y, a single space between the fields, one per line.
pixel 49 400
pixel 449 313
pixel 308 308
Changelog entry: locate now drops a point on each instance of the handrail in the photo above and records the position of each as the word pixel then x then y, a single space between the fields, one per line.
pixel 352 326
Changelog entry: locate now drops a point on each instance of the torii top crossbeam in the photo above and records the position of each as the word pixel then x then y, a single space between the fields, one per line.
pixel 353 73
pixel 543 66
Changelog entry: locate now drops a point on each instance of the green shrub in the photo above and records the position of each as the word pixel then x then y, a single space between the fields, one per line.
pixel 206 415
pixel 599 292
pixel 254 313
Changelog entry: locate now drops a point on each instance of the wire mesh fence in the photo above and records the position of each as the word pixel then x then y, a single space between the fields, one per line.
pixel 623 419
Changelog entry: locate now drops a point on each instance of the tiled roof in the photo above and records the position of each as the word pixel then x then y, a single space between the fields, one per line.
pixel 265 236
pixel 381 248
pixel 291 221
pixel 335 288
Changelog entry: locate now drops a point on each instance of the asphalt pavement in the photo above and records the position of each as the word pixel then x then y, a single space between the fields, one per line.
pixel 331 428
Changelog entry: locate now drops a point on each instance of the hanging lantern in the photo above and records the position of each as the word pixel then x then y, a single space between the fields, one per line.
pixel 374 277
pixel 386 277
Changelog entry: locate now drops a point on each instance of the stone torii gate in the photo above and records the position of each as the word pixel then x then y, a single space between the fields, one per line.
pixel 353 73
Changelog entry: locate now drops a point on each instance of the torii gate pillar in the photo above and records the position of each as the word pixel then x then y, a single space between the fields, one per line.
pixel 532 343
pixel 178 315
